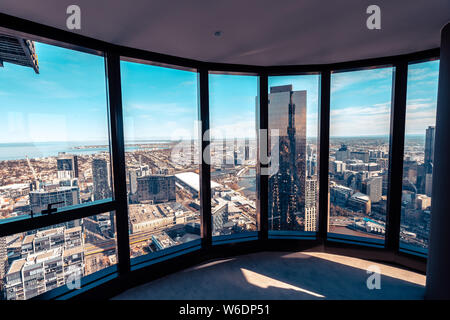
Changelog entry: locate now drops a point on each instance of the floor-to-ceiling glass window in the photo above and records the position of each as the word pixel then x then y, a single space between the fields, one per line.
pixel 418 155
pixel 360 109
pixel 162 160
pixel 54 156
pixel 233 103
pixel 293 151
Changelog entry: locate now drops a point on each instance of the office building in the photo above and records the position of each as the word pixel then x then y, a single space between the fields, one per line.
pixel 359 202
pixel 100 178
pixel 156 189
pixel 360 155
pixel 59 197
pixel 287 113
pixel 343 153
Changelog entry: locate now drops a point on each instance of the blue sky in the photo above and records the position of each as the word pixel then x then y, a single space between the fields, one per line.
pixel 67 100
pixel 232 105
pixel 361 100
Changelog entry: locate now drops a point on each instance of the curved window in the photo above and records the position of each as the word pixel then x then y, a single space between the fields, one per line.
pixel 161 154
pixel 293 132
pixel 418 155
pixel 233 101
pixel 359 150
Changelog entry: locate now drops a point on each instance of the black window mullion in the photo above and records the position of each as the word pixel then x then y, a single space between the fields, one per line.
pixel 396 149
pixel 118 159
pixel 22 224
pixel 262 180
pixel 205 167
pixel 324 150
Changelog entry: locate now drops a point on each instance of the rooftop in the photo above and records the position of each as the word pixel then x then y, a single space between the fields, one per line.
pixel 192 179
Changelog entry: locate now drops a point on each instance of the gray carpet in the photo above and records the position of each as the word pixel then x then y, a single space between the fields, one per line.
pixel 281 275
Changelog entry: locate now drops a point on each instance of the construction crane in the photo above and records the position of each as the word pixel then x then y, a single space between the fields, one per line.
pixel 33 171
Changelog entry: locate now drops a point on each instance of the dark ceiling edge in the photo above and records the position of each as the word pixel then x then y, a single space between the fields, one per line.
pixel 43 33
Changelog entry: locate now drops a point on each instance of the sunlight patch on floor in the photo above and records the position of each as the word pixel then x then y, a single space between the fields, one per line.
pixel 386 270
pixel 263 281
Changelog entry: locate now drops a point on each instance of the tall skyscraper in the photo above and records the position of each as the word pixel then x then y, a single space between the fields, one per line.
pixel 429 145
pixel 287 113
pixel 67 165
pixel 100 177
pixel 235 153
pixel 246 150
pixel 224 150
pixel 429 160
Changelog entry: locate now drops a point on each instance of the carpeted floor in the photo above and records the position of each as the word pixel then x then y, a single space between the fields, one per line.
pixel 281 275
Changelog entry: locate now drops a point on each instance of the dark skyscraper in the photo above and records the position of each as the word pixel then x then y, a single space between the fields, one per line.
pixel 429 160
pixel 246 150
pixel 429 145
pixel 100 179
pixel 287 113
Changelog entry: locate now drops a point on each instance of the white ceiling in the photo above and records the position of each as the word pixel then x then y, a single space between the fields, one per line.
pixel 257 32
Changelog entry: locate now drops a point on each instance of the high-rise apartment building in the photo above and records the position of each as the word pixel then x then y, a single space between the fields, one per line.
pixel 48 259
pixel 374 188
pixel 311 193
pixel 67 165
pixel 3 261
pixel 287 114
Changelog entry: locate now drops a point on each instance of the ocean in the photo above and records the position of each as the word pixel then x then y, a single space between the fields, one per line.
pixel 18 151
